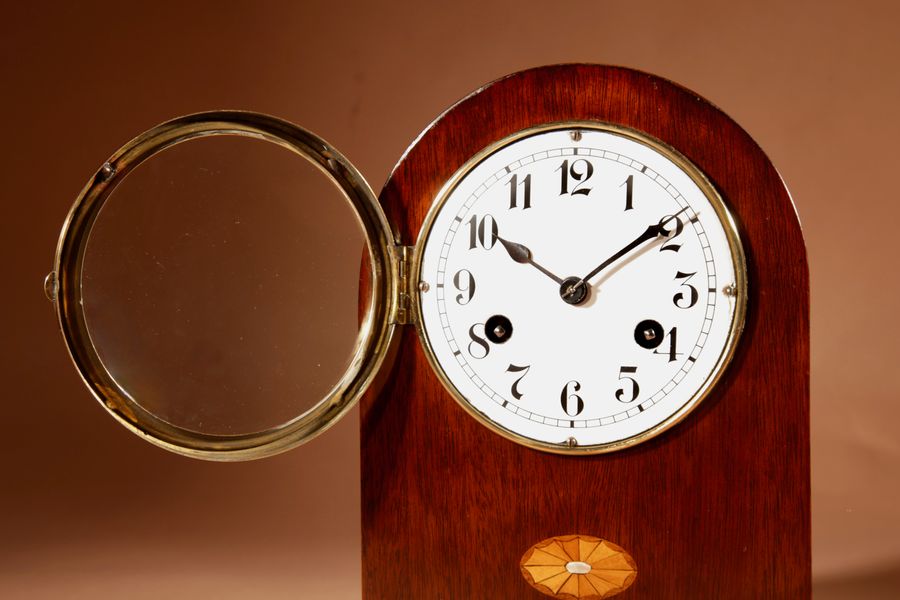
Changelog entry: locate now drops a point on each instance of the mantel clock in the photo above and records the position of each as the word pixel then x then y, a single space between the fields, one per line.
pixel 582 360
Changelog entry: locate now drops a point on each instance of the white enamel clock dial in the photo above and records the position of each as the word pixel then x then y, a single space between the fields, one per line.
pixel 582 287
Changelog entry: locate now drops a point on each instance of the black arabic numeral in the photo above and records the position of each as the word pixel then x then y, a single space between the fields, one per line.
pixel 478 342
pixel 464 284
pixel 673 344
pixel 671 233
pixel 483 232
pixel 635 388
pixel 693 295
pixel 581 175
pixel 526 191
pixel 567 399
pixel 514 390
pixel 629 192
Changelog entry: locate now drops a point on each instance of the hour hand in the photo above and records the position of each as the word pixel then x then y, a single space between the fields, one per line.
pixel 521 254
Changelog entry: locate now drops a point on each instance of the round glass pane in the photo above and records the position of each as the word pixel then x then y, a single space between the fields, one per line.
pixel 220 285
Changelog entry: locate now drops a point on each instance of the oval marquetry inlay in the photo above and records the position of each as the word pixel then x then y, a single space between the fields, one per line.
pixel 578 567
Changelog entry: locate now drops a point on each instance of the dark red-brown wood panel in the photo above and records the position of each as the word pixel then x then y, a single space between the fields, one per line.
pixel 717 507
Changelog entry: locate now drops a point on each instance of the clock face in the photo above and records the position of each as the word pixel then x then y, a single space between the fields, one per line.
pixel 581 287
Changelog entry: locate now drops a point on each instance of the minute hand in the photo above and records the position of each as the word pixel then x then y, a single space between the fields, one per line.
pixel 651 232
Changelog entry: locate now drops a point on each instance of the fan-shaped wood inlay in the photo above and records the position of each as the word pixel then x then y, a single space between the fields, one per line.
pixel 578 567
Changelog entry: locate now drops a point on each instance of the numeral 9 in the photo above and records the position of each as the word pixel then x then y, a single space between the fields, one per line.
pixel 464 281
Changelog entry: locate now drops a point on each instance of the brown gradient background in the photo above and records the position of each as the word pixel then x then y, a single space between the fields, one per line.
pixel 87 510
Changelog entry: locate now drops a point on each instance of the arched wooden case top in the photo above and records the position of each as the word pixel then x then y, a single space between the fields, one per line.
pixel 717 507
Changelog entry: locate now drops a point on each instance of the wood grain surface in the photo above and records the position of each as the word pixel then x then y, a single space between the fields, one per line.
pixel 717 507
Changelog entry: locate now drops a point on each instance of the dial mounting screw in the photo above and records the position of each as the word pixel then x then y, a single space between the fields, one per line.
pixel 575 135
pixel 571 442
pixel 423 286
pixel 730 290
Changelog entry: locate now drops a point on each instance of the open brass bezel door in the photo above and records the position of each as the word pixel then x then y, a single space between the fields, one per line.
pixel 64 288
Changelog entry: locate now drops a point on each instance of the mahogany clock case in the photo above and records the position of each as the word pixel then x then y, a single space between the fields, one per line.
pixel 448 506
pixel 716 507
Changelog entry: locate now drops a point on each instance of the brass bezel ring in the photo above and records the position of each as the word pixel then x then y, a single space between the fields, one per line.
pixel 376 327
pixel 737 255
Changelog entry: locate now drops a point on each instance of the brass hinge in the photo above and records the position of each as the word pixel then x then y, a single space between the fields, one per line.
pixel 406 314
